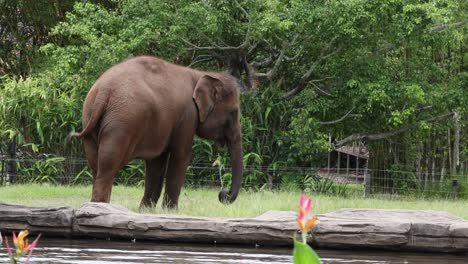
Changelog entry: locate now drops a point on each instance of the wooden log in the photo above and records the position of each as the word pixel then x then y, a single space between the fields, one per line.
pixel 392 229
pixel 55 221
pixel 107 221
pixel 407 230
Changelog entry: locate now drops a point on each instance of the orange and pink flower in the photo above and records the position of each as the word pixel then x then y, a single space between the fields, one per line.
pixel 302 252
pixel 22 246
pixel 305 206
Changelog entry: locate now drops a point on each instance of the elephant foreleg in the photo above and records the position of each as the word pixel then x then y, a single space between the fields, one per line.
pixel 154 177
pixel 175 178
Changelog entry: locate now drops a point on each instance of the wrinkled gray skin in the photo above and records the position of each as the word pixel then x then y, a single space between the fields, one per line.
pixel 146 108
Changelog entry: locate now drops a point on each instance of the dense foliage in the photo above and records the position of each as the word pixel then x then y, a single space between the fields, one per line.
pixel 389 74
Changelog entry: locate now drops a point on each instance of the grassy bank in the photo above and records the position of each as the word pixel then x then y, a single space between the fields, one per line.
pixel 203 202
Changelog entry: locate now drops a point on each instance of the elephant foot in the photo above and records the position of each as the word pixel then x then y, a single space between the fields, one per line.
pixel 226 197
pixel 169 203
pixel 100 199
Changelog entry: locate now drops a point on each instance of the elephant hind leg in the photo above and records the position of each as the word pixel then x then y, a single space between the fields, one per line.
pixel 91 150
pixel 154 178
pixel 113 153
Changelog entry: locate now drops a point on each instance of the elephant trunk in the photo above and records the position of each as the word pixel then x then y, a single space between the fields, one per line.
pixel 235 148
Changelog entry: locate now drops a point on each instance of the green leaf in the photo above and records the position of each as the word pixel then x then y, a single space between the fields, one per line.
pixel 39 131
pixel 267 113
pixel 34 148
pixel 304 254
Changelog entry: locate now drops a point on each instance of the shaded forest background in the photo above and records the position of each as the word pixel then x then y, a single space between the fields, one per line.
pixel 390 75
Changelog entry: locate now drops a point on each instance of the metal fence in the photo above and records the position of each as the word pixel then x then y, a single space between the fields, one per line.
pixel 334 181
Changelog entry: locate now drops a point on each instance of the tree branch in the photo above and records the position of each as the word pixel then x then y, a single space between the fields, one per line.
pixel 216 47
pixel 200 59
pixel 424 108
pixel 262 64
pixel 338 120
pixel 321 80
pixel 305 77
pixel 323 92
pixel 302 85
pixel 226 47
pixel 234 56
pixel 321 58
pixel 243 10
pixel 271 72
pixel 383 135
pixel 443 27
pixel 320 90
pixel 253 47
pixel 293 57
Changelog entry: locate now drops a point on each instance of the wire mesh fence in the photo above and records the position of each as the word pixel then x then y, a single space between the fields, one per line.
pixel 361 182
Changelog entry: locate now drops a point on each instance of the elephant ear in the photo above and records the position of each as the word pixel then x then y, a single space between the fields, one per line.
pixel 206 93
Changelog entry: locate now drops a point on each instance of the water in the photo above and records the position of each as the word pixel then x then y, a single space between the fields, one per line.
pixel 106 252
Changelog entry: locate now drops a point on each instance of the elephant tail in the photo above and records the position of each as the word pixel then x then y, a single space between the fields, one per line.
pixel 97 109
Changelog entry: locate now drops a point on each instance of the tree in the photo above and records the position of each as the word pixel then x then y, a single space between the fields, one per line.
pixel 391 74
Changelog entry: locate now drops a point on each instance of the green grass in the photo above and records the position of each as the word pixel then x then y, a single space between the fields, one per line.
pixel 204 202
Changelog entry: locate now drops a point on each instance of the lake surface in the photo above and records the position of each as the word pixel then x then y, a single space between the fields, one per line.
pixel 106 252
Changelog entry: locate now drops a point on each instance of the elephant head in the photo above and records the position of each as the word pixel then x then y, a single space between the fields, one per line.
pixel 217 100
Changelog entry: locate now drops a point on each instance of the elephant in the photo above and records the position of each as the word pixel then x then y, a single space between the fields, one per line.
pixel 149 109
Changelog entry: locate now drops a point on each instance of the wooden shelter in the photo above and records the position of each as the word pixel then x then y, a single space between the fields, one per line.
pixel 348 160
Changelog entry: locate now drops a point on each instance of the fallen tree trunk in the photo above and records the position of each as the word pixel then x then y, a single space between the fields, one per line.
pixel 346 228
pixel 106 221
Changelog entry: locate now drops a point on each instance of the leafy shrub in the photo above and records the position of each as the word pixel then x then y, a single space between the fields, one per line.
pixel 404 181
pixel 46 170
pixel 317 184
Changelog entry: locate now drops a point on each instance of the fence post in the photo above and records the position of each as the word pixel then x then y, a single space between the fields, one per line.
pixel 11 165
pixel 329 155
pixel 454 188
pixel 339 163
pixel 270 173
pixel 2 174
pixel 357 169
pixel 347 166
pixel 367 182
pixel 456 155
